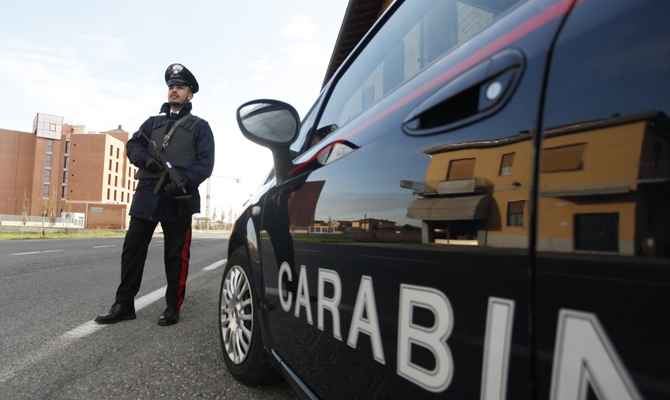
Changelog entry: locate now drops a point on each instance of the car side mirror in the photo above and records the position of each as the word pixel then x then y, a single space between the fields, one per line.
pixel 272 124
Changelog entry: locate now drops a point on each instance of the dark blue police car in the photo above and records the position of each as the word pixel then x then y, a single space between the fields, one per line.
pixel 474 207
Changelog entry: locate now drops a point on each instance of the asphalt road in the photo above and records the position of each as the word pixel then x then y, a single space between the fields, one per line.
pixel 50 290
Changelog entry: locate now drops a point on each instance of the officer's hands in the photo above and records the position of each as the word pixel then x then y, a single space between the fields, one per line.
pixel 153 166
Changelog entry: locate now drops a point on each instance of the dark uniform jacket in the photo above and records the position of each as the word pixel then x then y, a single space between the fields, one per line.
pixel 190 150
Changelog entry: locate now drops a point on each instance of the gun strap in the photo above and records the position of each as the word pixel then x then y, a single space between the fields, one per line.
pixel 168 136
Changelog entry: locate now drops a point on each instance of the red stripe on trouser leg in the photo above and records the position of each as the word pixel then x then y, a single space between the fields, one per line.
pixel 183 268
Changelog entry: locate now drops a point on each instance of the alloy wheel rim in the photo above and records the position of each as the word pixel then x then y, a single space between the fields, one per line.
pixel 236 314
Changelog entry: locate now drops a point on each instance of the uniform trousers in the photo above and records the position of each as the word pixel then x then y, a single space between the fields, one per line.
pixel 176 255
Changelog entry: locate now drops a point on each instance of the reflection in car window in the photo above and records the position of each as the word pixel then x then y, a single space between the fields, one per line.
pixel 418 33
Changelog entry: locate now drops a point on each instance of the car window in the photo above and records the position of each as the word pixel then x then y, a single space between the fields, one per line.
pixel 417 34
pixel 305 127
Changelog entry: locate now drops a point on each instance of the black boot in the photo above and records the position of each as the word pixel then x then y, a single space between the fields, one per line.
pixel 118 312
pixel 169 317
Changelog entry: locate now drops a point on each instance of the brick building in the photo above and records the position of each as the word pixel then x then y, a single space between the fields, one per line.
pixel 58 169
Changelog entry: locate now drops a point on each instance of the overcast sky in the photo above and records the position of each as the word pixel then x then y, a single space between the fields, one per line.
pixel 101 64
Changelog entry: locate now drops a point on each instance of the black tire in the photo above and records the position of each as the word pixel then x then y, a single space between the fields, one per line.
pixel 255 369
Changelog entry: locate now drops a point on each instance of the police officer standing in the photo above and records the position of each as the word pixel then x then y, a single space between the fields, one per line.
pixel 174 152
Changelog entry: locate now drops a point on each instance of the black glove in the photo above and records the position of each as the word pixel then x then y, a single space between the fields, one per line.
pixel 172 189
pixel 153 166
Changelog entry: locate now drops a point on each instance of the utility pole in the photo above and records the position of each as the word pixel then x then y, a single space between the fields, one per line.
pixel 208 199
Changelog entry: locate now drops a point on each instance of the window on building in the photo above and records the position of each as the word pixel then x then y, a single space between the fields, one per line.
pixel 115 195
pixel 67 147
pixel 107 194
pixel 515 213
pixel 461 169
pixel 117 167
pixel 506 164
pixel 110 165
pixel 49 147
pixel 45 190
pixel 48 160
pixel 597 232
pixel 109 179
pixel 65 178
pixel 564 158
pixel 62 192
pixel 111 150
pixel 52 127
pixel 129 171
pixel 116 181
pixel 134 186
pixel 418 33
pixel 66 162
pixel 46 175
pixel 117 152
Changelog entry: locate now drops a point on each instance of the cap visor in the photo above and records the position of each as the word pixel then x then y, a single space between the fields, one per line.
pixel 172 82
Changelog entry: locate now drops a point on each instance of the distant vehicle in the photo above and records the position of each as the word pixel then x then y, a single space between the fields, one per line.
pixel 476 206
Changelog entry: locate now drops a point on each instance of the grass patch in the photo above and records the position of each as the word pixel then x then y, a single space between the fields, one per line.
pixel 72 234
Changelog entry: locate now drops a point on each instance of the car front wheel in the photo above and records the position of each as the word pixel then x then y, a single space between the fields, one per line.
pixel 239 331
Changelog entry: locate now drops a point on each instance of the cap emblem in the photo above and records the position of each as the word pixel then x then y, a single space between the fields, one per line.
pixel 176 69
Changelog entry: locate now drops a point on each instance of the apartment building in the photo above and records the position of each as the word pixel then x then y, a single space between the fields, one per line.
pixel 58 169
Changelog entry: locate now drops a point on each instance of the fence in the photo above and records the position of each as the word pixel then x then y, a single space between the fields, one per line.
pixel 69 221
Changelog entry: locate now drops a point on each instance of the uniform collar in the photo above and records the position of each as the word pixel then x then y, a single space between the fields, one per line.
pixel 185 110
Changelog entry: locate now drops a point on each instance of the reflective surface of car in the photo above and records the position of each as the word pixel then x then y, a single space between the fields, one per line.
pixel 477 209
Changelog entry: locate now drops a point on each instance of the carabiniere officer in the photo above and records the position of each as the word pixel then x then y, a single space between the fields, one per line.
pixel 174 152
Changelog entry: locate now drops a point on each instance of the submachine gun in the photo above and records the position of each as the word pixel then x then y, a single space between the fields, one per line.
pixel 169 173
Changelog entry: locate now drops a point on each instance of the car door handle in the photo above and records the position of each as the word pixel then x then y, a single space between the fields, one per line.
pixel 478 93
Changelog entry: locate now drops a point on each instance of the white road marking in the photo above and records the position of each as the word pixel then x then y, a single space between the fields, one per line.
pixel 89 327
pixel 103 246
pixel 53 251
pixel 84 330
pixel 215 265
pixel 25 253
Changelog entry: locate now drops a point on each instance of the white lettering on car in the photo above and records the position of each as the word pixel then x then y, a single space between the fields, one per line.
pixel 365 303
pixel 433 338
pixel 497 341
pixel 285 269
pixel 302 298
pixel 583 357
pixel 331 304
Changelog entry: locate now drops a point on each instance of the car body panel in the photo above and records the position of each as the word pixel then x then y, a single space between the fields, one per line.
pixel 350 191
pixel 603 250
pixel 453 212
